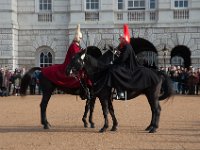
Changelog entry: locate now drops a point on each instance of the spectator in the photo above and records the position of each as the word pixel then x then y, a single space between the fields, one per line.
pixel 32 84
pixel 17 82
pixel 192 82
pixel 1 77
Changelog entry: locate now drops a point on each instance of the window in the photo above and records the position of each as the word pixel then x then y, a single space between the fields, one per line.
pixel 120 4
pixel 92 4
pixel 45 5
pixel 180 9
pixel 45 59
pixel 91 15
pixel 152 4
pixel 45 11
pixel 180 3
pixel 136 4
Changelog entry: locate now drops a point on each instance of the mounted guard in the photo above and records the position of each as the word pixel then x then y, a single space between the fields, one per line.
pixel 53 77
pixel 56 73
pixel 122 65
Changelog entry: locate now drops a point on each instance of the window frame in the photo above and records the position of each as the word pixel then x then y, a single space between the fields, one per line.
pixel 45 50
pixel 43 4
pixel 122 3
pixel 48 61
pixel 139 7
pixel 178 7
pixel 92 9
pixel 155 4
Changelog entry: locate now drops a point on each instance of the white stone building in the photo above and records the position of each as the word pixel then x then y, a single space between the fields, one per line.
pixel 38 32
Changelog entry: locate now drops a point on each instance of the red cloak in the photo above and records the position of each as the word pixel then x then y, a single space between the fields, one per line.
pixel 56 73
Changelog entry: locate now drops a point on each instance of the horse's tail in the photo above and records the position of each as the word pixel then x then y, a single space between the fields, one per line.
pixel 166 89
pixel 26 80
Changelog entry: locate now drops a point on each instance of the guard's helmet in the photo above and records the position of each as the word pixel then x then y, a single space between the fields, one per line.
pixel 126 34
pixel 78 34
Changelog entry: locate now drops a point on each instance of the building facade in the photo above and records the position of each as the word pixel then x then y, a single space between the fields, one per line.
pixel 38 32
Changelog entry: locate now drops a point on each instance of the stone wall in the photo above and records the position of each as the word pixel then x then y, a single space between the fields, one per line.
pixel 31 42
pixel 6 48
pixel 22 36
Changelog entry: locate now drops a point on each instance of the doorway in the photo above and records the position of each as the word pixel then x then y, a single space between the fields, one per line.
pixel 181 56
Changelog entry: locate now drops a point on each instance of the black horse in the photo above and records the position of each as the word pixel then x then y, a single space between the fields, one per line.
pixel 48 88
pixel 97 68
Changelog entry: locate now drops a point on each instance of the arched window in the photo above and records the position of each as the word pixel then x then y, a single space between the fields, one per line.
pixel 45 56
pixel 45 59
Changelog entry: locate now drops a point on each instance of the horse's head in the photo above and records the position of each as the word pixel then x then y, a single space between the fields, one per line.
pixel 76 64
pixel 80 60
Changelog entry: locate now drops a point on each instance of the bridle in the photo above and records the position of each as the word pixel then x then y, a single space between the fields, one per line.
pixel 78 64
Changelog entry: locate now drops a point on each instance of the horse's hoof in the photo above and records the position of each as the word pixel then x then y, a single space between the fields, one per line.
pixel 46 127
pixel 102 130
pixel 85 125
pixel 92 125
pixel 85 122
pixel 152 130
pixel 149 128
pixel 114 129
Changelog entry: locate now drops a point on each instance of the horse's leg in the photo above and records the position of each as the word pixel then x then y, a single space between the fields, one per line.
pixel 47 89
pixel 112 113
pixel 43 106
pixel 104 105
pixel 155 110
pixel 87 107
pixel 92 103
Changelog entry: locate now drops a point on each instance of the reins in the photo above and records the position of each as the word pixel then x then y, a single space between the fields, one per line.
pixel 102 86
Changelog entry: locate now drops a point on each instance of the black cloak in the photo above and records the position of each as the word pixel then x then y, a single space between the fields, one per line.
pixel 126 73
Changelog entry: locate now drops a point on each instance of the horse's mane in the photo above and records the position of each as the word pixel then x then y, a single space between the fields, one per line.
pixel 94 51
pixel 100 64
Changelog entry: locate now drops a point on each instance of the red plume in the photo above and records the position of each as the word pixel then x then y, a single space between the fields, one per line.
pixel 126 33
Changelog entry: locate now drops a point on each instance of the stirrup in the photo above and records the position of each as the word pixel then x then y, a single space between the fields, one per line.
pixel 121 95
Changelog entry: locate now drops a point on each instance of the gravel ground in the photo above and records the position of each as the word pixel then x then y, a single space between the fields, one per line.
pixel 20 127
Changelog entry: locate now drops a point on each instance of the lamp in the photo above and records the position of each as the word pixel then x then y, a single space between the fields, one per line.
pixel 165 51
pixel 104 47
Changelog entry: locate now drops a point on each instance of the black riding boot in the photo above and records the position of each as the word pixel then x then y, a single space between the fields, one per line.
pixel 121 94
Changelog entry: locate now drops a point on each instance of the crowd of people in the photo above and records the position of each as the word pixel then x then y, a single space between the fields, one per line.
pixel 10 82
pixel 184 80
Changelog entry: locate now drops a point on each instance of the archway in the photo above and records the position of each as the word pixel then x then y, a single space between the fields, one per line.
pixel 181 56
pixel 145 51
